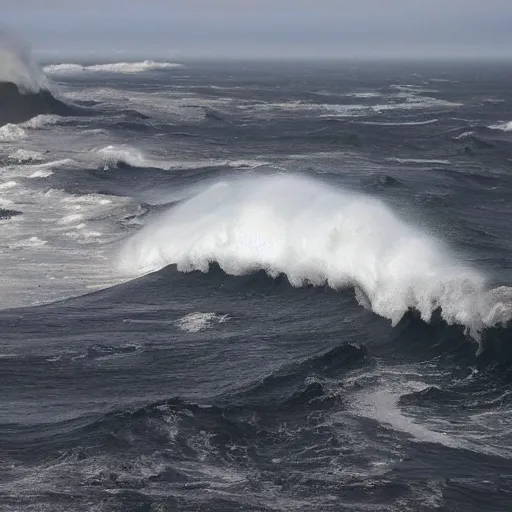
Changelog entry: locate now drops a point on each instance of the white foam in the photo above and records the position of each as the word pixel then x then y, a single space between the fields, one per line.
pixel 63 69
pixel 195 322
pixel 11 132
pixel 322 109
pixel 316 234
pixel 72 219
pixel 32 242
pixel 116 67
pixel 412 89
pixel 41 121
pixel 41 174
pixel 413 102
pixel 8 184
pixel 382 405
pixel 419 161
pixel 22 156
pixel 113 155
pixel 44 170
pixel 83 200
pixel 404 123
pixel 494 100
pixel 364 95
pixel 377 395
pixel 504 127
pixel 464 135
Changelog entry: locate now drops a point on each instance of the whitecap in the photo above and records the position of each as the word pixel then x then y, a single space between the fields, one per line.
pixel 504 127
pixel 195 322
pixel 115 67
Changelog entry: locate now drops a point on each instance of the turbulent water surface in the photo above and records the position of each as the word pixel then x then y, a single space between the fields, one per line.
pixel 256 287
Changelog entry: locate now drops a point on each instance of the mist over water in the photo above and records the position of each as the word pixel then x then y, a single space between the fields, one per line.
pixel 18 67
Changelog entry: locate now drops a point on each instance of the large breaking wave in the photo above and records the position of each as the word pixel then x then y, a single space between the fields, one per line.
pixel 24 88
pixel 316 234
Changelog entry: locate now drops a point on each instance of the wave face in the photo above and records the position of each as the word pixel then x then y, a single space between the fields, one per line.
pixel 24 88
pixel 116 67
pixel 315 234
pixel 18 107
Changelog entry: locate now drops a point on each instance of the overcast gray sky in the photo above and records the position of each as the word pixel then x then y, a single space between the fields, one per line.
pixel 262 28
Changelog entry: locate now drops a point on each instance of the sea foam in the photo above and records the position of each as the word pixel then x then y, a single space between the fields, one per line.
pixel 504 127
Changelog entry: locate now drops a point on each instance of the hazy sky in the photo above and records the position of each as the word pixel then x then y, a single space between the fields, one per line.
pixel 263 28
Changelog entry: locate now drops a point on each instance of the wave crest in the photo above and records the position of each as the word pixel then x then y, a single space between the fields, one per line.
pixel 504 127
pixel 316 234
pixel 115 67
pixel 17 67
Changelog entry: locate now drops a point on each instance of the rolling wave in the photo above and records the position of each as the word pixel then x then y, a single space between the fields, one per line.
pixel 11 132
pixel 24 90
pixel 17 106
pixel 504 127
pixel 116 67
pixel 129 157
pixel 317 235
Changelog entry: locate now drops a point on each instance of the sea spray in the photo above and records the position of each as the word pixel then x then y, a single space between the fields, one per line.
pixel 316 234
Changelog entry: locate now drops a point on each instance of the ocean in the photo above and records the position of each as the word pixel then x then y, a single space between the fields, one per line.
pixel 256 286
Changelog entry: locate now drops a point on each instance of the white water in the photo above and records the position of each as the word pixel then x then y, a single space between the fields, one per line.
pixel 111 156
pixel 116 67
pixel 11 132
pixel 196 322
pixel 504 127
pixel 318 234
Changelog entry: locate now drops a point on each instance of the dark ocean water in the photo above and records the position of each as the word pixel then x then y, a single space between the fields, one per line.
pixel 257 287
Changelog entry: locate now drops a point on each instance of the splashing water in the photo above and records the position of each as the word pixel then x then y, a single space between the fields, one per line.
pixel 316 234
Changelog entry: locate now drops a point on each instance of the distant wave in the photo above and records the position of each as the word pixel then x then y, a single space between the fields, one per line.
pixel 195 322
pixel 127 156
pixel 316 234
pixel 397 123
pixel 504 127
pixel 116 67
pixel 419 161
